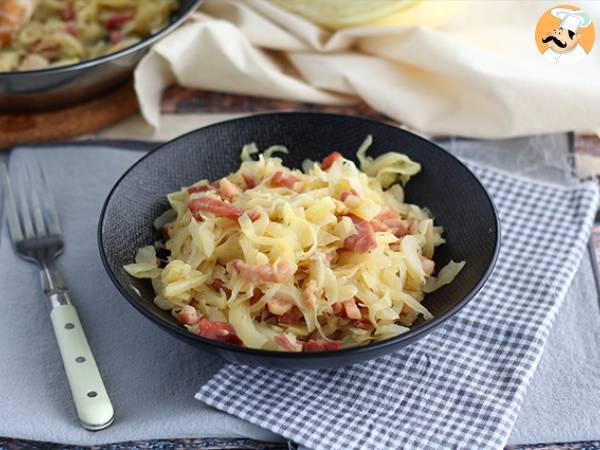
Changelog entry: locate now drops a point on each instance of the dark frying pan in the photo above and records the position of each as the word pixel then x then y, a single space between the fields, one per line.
pixel 37 90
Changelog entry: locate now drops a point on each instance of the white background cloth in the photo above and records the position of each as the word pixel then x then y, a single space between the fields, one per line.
pixel 480 75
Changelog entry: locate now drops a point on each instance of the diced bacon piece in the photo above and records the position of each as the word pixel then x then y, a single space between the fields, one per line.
pixel 284 342
pixel 265 315
pixel 188 315
pixel 350 198
pixel 203 188
pixel 363 240
pixel 217 207
pixel 389 220
pixel 292 317
pixel 219 285
pixel 256 296
pixel 351 310
pixel 313 345
pixel 286 180
pixel 309 295
pixel 345 194
pixel 72 29
pixel 116 36
pixel 249 180
pixel 379 225
pixel 389 217
pixel 274 273
pixel 221 331
pixel 118 19
pixel 329 257
pixel 279 306
pixel 228 190
pixel 406 309
pixel 428 265
pixel 67 13
pixel 330 159
pixel 338 310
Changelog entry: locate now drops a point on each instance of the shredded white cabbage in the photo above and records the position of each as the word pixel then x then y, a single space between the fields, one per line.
pixel 279 259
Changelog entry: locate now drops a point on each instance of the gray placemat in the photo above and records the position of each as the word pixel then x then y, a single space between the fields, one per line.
pixel 152 377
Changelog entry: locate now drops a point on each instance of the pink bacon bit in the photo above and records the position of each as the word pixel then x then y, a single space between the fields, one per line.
pixel 67 13
pixel 256 296
pixel 330 159
pixel 350 198
pixel 286 344
pixel 338 310
pixel 351 310
pixel 279 306
pixel 188 315
pixel 220 331
pixel 118 19
pixel 250 182
pixel 219 285
pixel 273 273
pixel 309 295
pixel 228 190
pixel 389 220
pixel 330 257
pixel 363 241
pixel 116 36
pixel 292 317
pixel 287 180
pixel 72 29
pixel 213 187
pixel 217 207
pixel 317 345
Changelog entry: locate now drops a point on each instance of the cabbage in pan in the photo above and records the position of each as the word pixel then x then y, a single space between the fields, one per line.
pixel 289 260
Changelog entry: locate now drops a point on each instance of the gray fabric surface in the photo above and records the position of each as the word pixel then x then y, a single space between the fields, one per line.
pixel 152 377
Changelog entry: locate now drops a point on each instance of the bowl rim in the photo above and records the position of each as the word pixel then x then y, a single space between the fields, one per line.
pixel 380 346
pixel 88 63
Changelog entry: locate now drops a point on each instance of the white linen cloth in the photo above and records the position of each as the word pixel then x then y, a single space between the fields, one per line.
pixel 479 75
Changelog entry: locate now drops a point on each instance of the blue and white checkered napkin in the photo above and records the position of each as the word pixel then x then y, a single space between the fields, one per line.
pixel 463 385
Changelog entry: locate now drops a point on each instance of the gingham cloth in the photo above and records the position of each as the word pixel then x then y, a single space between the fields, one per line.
pixel 460 387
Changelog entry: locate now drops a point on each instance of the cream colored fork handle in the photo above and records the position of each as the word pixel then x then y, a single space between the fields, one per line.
pixel 93 405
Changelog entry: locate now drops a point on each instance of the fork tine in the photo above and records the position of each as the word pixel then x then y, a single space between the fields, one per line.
pixel 36 209
pixel 48 205
pixel 25 213
pixel 12 215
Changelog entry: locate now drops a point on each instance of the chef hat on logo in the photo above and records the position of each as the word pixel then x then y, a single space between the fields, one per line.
pixel 571 20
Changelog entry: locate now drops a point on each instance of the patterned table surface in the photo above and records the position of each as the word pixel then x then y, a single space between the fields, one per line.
pixel 178 100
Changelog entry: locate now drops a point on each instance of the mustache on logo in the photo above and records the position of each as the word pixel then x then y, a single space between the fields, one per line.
pixel 555 40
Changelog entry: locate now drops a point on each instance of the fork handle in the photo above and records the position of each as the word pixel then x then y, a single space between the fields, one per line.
pixel 92 403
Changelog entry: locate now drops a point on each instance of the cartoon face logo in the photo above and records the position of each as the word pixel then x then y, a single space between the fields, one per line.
pixel 565 35
pixel 561 40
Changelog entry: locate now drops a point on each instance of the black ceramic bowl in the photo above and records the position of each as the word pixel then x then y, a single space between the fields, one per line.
pixel 36 90
pixel 445 186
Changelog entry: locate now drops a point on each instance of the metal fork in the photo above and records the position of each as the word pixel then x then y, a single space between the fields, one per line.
pixel 37 237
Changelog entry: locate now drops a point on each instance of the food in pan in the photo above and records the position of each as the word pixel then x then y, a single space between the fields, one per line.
pixel 38 34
